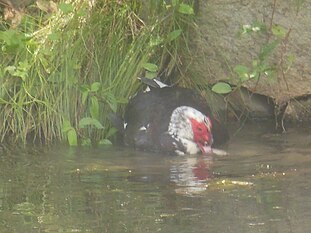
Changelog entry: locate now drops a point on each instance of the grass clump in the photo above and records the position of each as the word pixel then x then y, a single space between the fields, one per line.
pixel 64 70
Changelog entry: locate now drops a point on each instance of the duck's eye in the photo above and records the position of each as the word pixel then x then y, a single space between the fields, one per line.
pixel 200 129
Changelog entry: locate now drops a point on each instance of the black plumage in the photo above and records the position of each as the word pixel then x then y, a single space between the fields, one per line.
pixel 148 114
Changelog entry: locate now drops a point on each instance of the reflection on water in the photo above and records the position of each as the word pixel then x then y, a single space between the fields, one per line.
pixel 262 186
pixel 191 173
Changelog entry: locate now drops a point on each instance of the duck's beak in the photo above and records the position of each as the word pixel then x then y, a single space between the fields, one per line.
pixel 206 146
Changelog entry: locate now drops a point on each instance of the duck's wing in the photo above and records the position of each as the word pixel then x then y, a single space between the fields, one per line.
pixel 155 82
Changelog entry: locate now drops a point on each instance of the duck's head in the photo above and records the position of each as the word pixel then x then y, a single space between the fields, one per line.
pixel 192 130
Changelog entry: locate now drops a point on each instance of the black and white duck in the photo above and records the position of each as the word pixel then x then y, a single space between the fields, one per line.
pixel 173 120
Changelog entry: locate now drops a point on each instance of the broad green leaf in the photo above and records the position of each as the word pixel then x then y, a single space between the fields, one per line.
pixel 65 7
pixel 174 34
pixel 84 96
pixel 21 71
pixel 88 121
pixel 185 9
pixel 105 142
pixel 150 67
pixel 84 88
pixel 10 69
pixel 85 92
pixel 150 75
pixel 221 88
pixel 241 70
pixel 94 107
pixel 13 40
pixel 66 126
pixel 21 74
pixel 111 132
pixel 95 86
pixel 72 137
pixel 278 31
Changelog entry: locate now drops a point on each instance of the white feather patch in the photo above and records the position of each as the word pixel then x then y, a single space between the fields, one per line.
pixel 191 146
pixel 143 128
pixel 178 152
pixel 147 89
pixel 159 83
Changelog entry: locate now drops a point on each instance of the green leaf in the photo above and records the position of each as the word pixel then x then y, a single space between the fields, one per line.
pixel 72 137
pixel 279 31
pixel 21 71
pixel 95 86
pixel 94 107
pixel 86 142
pixel 21 74
pixel 241 70
pixel 88 121
pixel 150 75
pixel 84 96
pixel 150 67
pixel 111 132
pixel 66 126
pixel 105 142
pixel 173 35
pixel 13 40
pixel 85 92
pixel 222 88
pixel 10 69
pixel 65 7
pixel 185 9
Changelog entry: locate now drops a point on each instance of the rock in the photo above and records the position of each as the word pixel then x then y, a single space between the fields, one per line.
pixel 219 47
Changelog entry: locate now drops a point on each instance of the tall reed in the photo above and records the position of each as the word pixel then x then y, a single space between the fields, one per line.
pixel 62 73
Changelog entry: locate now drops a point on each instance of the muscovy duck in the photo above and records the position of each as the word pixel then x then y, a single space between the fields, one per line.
pixel 171 119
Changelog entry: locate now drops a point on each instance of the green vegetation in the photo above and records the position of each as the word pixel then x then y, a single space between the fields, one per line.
pixel 66 66
pixel 272 56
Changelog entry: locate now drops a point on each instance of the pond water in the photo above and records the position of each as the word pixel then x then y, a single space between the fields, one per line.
pixel 263 185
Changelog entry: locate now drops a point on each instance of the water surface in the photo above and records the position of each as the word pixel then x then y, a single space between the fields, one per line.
pixel 264 185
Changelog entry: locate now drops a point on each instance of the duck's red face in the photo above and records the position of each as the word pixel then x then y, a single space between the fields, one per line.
pixel 202 134
pixel 192 129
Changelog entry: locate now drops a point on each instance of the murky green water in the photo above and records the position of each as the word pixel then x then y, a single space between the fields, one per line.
pixel 264 185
